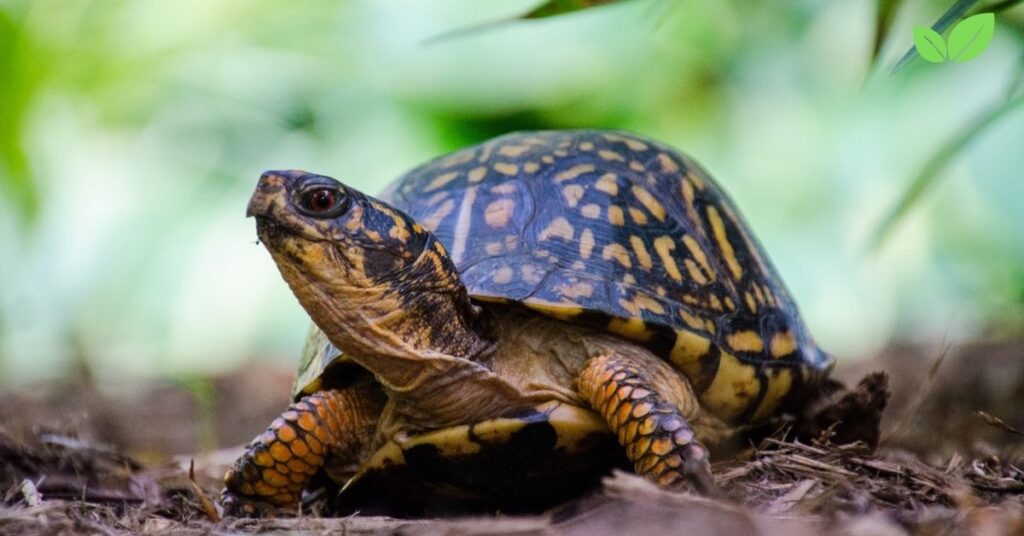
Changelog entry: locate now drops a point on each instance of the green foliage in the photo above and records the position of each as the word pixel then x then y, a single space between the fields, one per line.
pixel 971 36
pixel 552 8
pixel 929 44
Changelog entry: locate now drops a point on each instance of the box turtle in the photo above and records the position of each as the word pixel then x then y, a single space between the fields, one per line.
pixel 510 320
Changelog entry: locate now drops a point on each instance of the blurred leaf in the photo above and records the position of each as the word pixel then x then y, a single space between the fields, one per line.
pixel 883 21
pixel 20 79
pixel 929 44
pixel 551 8
pixel 932 168
pixel 971 36
pixel 953 14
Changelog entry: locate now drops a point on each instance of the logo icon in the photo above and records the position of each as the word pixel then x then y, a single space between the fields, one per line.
pixel 969 38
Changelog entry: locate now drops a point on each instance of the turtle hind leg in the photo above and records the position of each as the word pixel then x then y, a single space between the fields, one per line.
pixel 650 424
pixel 327 426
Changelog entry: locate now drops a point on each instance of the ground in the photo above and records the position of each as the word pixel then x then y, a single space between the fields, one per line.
pixel 78 459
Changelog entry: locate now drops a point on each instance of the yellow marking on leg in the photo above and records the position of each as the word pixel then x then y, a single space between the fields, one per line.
pixel 631 328
pixel 664 245
pixel 718 227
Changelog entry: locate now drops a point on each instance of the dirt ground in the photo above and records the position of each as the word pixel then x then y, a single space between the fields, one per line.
pixel 80 458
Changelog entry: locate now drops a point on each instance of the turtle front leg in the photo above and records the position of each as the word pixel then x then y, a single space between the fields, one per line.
pixel 330 426
pixel 651 410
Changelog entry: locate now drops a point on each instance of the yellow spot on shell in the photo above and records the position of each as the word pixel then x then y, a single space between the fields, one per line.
pixel 434 219
pixel 591 210
pixel 574 172
pixel 633 143
pixel 441 180
pixel 698 255
pixel 640 249
pixel 751 304
pixel 733 389
pixel 745 341
pixel 531 167
pixel 649 202
pixel 508 187
pixel 615 215
pixel 691 320
pixel 638 216
pixel 697 180
pixel 729 304
pixel 477 174
pixel 575 290
pixel 499 212
pixel 507 169
pixel 695 273
pixel 718 227
pixel 572 194
pixel 458 158
pixel 608 184
pixel 664 246
pixel 783 343
pixel 667 164
pixel 586 243
pixel 618 252
pixel 559 227
pixel 503 275
pixel 611 156
pixel 513 150
pixel 586 146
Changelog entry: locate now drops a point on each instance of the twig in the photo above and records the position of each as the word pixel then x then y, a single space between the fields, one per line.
pixel 992 420
pixel 204 500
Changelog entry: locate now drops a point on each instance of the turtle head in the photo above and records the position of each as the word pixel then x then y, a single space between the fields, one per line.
pixel 366 273
pixel 319 225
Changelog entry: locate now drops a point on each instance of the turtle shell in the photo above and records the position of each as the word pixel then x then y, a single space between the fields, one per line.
pixel 623 234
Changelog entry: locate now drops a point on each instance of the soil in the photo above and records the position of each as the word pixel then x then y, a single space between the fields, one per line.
pixel 946 458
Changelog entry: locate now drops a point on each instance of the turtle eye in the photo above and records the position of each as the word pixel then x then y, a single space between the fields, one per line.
pixel 321 201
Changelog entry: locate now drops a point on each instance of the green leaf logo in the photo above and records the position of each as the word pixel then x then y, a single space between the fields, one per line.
pixel 971 36
pixel 929 44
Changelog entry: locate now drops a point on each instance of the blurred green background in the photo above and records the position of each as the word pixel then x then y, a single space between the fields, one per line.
pixel 132 132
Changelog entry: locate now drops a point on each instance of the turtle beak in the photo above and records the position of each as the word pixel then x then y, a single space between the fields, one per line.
pixel 270 187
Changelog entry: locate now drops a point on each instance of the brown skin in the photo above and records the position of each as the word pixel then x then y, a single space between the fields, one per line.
pixel 383 290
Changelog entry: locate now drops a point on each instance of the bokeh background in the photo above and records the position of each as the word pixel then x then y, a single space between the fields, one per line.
pixel 132 132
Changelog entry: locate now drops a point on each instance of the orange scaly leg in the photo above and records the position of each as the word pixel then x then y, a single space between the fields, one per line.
pixel 655 432
pixel 331 426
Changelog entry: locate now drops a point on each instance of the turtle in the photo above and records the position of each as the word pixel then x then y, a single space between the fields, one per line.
pixel 516 317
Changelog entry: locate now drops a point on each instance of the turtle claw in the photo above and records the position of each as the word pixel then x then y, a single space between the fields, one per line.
pixel 238 506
